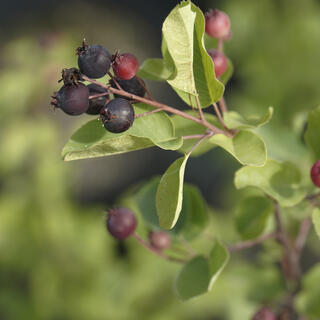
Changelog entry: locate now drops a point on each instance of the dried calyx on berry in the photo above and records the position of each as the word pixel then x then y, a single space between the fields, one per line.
pixel 73 97
pixel 94 60
pixel 133 86
pixel 95 104
pixel 121 223
pixel 125 65
pixel 118 115
pixel 218 24
pixel 220 62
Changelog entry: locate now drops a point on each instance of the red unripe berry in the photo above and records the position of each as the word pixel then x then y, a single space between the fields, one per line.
pixel 217 24
pixel 315 173
pixel 125 66
pixel 220 62
pixel 264 313
pixel 159 240
pixel 121 223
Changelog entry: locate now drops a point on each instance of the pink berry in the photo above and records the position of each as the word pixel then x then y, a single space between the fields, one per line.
pixel 159 240
pixel 125 66
pixel 315 173
pixel 264 313
pixel 220 62
pixel 217 24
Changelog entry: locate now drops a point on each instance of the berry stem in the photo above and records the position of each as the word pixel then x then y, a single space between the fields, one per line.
pixel 159 105
pixel 113 79
pixel 200 109
pixel 147 113
pixel 193 136
pixel 157 252
pixel 303 235
pixel 204 137
pixel 223 105
pixel 98 95
pixel 216 109
pixel 145 88
pixel 251 243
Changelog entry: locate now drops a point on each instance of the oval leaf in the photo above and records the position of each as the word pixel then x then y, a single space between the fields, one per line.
pixel 154 69
pixel 278 180
pixel 199 274
pixel 252 216
pixel 183 33
pixel 247 147
pixel 92 140
pixel 170 194
pixel 234 120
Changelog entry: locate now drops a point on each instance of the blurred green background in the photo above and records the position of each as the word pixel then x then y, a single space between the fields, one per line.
pixel 57 262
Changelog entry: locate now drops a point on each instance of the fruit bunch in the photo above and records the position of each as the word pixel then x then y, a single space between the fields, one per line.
pixel 95 61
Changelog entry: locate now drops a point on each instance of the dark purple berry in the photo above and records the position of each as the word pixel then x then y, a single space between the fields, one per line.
pixel 132 86
pixel 73 99
pixel 217 24
pixel 159 240
pixel 94 61
pixel 96 104
pixel 220 62
pixel 315 173
pixel 125 66
pixel 264 313
pixel 118 115
pixel 121 223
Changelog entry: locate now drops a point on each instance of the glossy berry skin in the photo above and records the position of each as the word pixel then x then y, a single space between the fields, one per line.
pixel 118 115
pixel 96 104
pixel 217 24
pixel 220 62
pixel 73 99
pixel 315 174
pixel 121 223
pixel 264 313
pixel 132 86
pixel 94 61
pixel 159 240
pixel 125 66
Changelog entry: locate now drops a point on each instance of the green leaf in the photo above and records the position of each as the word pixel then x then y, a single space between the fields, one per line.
pixel 186 127
pixel 228 73
pixel 278 180
pixel 92 140
pixel 193 217
pixel 199 274
pixel 193 279
pixel 307 301
pixel 170 194
pixel 247 147
pixel 154 69
pixel 183 32
pixel 218 259
pixel 313 132
pixel 252 216
pixel 316 220
pixel 234 120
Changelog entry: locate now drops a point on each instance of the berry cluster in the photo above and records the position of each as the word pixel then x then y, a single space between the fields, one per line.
pixel 95 61
pixel 121 224
pixel 218 26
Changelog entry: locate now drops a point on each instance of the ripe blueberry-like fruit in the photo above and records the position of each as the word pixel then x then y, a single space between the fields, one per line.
pixel 121 223
pixel 94 61
pixel 132 86
pixel 118 115
pixel 96 104
pixel 159 240
pixel 125 66
pixel 217 24
pixel 315 173
pixel 73 99
pixel 220 62
pixel 264 313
